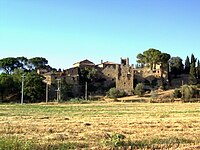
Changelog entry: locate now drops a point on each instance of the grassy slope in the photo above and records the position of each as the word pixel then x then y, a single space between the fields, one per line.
pixel 93 125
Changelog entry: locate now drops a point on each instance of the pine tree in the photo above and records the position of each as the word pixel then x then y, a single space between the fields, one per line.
pixel 187 65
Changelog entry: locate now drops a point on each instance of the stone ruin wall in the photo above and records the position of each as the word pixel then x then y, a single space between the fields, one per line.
pixel 125 78
pixel 109 73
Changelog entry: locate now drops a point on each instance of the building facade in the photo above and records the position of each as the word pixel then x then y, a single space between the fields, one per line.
pixel 123 76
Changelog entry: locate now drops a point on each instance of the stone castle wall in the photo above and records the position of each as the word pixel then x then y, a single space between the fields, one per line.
pixel 125 78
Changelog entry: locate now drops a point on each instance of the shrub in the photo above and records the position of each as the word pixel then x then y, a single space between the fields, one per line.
pixel 192 80
pixel 163 87
pixel 186 93
pixel 115 93
pixel 115 140
pixel 154 96
pixel 177 93
pixel 189 91
pixel 139 89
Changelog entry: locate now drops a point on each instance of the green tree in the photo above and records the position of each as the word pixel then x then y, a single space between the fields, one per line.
pixel 34 87
pixel 139 89
pixel 17 78
pixel 149 57
pixel 193 75
pixel 176 65
pixel 88 75
pixel 193 59
pixel 198 69
pixel 66 90
pixel 6 85
pixel 37 63
pixel 141 59
pixel 187 65
pixel 115 93
pixel 177 93
pixel 188 92
pixel 164 58
pixel 23 62
pixel 192 70
pixel 9 64
pixel 193 66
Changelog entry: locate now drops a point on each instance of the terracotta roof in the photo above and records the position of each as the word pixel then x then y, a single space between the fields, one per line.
pixel 86 61
pixel 110 63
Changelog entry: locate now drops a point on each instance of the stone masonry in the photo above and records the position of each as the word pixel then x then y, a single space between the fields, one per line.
pixel 125 76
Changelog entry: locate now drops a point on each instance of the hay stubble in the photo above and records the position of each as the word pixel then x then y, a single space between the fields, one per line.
pixel 92 123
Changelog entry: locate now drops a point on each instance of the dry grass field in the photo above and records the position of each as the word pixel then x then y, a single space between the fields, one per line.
pixel 100 125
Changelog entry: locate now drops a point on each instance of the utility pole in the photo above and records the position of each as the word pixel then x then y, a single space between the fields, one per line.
pixel 59 89
pixel 22 94
pixel 86 91
pixel 47 92
pixel 182 90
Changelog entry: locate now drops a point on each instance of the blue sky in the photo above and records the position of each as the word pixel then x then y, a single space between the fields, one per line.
pixel 67 31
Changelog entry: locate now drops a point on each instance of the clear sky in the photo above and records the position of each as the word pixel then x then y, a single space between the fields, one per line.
pixel 67 31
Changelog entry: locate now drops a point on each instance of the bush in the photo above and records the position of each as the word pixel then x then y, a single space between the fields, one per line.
pixel 115 140
pixel 163 87
pixel 192 80
pixel 139 89
pixel 154 95
pixel 115 93
pixel 177 93
pixel 189 92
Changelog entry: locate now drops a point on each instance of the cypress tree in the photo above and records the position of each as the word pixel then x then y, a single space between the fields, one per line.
pixel 198 69
pixel 193 66
pixel 193 75
pixel 187 65
pixel 193 59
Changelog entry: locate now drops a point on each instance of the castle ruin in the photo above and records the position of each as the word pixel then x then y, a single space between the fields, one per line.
pixel 123 76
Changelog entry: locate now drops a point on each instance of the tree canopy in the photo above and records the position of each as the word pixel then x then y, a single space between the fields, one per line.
pixel 37 63
pixel 176 65
pixel 34 87
pixel 151 57
pixel 9 64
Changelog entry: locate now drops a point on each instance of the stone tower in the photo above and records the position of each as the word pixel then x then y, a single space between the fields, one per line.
pixel 125 76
